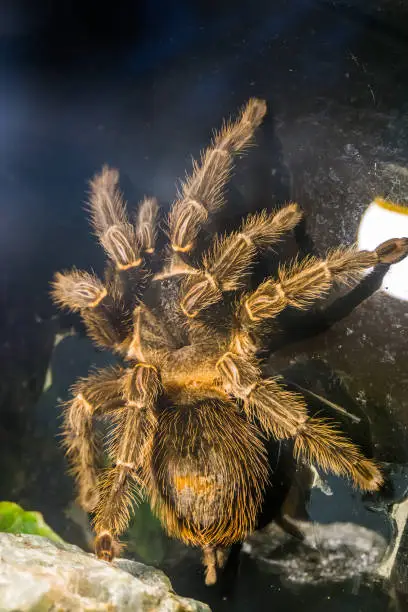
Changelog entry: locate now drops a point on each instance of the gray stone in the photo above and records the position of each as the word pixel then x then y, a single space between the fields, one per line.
pixel 328 553
pixel 39 575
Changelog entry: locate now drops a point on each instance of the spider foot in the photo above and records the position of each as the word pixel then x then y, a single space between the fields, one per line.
pixel 106 548
pixel 392 251
pixel 210 565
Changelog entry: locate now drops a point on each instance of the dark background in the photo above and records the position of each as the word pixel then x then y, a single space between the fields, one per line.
pixel 140 85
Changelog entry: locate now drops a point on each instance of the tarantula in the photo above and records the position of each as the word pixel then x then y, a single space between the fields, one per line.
pixel 189 410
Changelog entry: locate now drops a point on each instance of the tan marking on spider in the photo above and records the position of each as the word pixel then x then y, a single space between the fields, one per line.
pixel 129 465
pixel 195 482
pixel 99 299
pixel 135 403
pixel 132 264
pixel 184 249
pixel 249 311
pixel 280 290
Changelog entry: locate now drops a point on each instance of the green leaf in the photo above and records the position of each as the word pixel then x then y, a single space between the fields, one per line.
pixel 13 519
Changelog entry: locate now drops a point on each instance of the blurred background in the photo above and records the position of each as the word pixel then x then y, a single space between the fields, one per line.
pixel 140 85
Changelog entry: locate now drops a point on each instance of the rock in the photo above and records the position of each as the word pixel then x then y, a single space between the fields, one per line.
pixel 328 553
pixel 37 574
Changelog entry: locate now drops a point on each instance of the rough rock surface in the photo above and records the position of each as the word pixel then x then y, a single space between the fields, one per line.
pixel 329 553
pixel 39 575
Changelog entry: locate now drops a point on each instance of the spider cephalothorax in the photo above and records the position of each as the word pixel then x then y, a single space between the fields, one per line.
pixel 190 410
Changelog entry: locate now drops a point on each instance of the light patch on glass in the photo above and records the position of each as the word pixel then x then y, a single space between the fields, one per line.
pixel 381 221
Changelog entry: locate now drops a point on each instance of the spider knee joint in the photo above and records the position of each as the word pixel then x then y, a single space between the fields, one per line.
pixel 203 290
pixel 238 374
pixel 226 356
pixel 248 311
pixel 246 239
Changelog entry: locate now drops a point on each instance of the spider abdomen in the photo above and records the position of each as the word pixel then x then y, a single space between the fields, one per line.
pixel 208 472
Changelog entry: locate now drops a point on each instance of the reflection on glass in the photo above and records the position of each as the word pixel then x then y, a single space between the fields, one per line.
pixel 383 220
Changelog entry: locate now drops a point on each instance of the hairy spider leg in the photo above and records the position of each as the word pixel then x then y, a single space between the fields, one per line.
pixel 110 222
pixel 107 318
pixel 283 414
pixel 213 557
pixel 120 485
pixel 125 244
pixel 150 342
pixel 146 224
pixel 98 394
pixel 202 192
pixel 106 307
pixel 227 263
pixel 302 283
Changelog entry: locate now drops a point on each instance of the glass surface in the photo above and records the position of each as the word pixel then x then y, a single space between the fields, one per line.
pixel 141 87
